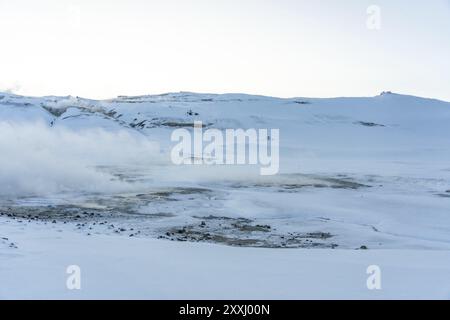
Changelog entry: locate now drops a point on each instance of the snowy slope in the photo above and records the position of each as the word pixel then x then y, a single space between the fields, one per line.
pixel 385 127
pixel 355 172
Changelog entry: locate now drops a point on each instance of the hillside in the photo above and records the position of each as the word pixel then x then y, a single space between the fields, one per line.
pixel 355 173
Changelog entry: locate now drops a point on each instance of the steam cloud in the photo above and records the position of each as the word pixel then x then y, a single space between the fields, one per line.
pixel 38 160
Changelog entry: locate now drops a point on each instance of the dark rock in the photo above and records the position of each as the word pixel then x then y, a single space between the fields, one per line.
pixel 369 124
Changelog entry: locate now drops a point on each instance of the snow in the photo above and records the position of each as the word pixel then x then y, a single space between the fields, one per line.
pixel 133 268
pixel 355 172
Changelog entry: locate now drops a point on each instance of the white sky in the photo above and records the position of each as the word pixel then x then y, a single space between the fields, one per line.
pixel 105 48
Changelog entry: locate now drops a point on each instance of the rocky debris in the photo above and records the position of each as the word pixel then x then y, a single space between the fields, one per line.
pixel 121 214
pixel 140 124
pixel 302 102
pixel 296 182
pixel 174 122
pixel 192 113
pixel 233 231
pixel 7 243
pixel 369 124
pixel 251 228
pixel 444 195
pixel 243 232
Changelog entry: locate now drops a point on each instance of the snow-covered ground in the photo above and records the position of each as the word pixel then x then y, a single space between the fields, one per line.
pixel 140 268
pixel 90 183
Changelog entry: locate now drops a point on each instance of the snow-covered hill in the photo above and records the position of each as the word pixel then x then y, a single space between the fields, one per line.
pixel 387 126
pixel 354 173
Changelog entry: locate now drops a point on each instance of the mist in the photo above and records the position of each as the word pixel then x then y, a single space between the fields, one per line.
pixel 38 160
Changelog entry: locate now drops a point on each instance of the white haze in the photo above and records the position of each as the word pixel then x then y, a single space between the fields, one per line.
pixel 38 160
